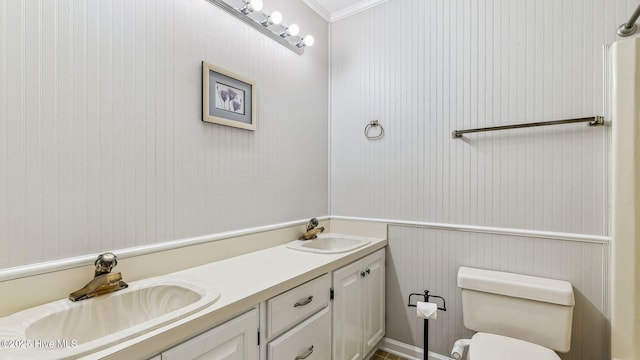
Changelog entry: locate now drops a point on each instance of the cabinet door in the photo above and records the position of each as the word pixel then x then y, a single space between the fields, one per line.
pixel 373 300
pixel 347 312
pixel 236 339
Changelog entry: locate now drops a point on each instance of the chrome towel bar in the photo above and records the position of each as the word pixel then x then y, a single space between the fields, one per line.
pixel 593 121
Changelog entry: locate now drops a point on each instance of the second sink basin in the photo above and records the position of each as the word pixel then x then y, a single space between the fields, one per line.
pixel 330 243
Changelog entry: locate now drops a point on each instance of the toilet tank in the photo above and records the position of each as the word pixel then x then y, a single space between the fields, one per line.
pixel 529 308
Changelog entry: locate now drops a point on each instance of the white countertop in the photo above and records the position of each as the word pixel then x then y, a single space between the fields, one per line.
pixel 243 281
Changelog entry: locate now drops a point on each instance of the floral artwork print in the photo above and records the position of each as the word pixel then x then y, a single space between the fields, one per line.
pixel 229 98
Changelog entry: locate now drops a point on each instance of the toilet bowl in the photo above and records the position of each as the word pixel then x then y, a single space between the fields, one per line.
pixel 516 316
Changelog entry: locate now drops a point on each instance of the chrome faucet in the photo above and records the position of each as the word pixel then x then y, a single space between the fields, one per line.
pixel 104 281
pixel 312 230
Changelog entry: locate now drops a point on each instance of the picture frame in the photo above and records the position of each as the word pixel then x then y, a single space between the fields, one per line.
pixel 227 98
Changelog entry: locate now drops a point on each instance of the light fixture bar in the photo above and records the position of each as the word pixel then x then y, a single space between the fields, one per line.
pixel 256 25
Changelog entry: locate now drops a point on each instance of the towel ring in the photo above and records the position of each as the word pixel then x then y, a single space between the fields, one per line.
pixel 372 124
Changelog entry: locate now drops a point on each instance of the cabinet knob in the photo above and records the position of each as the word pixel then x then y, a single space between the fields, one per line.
pixel 363 274
pixel 368 271
pixel 304 302
pixel 306 354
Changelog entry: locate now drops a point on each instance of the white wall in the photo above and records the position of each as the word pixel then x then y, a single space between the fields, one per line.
pixel 426 68
pixel 101 141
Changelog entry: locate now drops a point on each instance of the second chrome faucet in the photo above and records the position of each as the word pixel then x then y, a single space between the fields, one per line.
pixel 312 230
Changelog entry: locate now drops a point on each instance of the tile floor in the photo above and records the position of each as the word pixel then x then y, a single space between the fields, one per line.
pixel 383 355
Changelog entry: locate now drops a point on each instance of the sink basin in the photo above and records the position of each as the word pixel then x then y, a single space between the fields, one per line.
pixel 93 324
pixel 330 244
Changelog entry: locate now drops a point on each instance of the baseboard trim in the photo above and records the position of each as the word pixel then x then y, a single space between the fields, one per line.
pixel 407 351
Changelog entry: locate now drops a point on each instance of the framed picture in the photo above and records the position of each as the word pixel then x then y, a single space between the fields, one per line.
pixel 227 98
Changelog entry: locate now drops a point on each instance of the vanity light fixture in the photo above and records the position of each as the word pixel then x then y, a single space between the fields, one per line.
pixel 250 12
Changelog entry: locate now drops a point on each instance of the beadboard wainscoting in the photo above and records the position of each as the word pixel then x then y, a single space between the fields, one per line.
pixel 102 144
pixel 426 68
pixel 420 258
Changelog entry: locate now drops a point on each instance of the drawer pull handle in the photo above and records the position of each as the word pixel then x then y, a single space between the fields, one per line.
pixel 306 354
pixel 304 302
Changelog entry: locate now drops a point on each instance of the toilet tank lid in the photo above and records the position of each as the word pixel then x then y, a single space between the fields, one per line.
pixel 516 285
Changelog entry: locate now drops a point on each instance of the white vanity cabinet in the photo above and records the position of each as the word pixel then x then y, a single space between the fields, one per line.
pixel 358 307
pixel 336 316
pixel 298 322
pixel 236 339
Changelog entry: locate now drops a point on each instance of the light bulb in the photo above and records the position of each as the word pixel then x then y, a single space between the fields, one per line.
pixel 293 30
pixel 308 40
pixel 255 5
pixel 251 6
pixel 275 18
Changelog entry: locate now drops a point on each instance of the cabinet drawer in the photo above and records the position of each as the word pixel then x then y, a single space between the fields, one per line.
pixel 310 340
pixel 293 306
pixel 235 339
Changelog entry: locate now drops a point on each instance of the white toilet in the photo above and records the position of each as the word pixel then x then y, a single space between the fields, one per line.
pixel 516 316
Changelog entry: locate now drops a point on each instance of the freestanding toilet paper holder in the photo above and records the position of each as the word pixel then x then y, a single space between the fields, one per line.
pixel 426 321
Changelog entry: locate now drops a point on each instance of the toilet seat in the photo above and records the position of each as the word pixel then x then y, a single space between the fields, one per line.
pixel 486 346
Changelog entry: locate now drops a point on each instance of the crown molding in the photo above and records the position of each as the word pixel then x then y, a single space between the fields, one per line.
pixel 355 8
pixel 315 6
pixel 343 13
